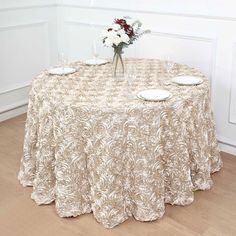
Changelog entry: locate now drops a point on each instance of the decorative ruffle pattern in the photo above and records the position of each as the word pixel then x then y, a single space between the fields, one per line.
pixel 90 148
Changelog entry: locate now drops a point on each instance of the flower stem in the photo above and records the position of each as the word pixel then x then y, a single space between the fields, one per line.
pixel 122 64
pixel 117 56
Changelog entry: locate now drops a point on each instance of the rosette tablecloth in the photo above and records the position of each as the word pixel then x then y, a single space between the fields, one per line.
pixel 90 147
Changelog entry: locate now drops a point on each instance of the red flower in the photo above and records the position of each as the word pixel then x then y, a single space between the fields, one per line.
pixel 127 28
pixel 121 22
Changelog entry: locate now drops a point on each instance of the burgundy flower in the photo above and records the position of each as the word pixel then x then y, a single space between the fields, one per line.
pixel 120 26
pixel 127 28
pixel 121 22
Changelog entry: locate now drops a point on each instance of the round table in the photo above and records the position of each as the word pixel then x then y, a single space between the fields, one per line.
pixel 90 147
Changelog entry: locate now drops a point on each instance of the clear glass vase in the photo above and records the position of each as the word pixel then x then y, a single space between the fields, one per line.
pixel 118 64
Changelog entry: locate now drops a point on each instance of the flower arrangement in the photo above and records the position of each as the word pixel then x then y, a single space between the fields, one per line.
pixel 121 35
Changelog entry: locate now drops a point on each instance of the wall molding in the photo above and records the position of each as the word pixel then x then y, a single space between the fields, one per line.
pixel 213 42
pixel 26 7
pixel 231 118
pixel 165 13
pixel 25 25
pixel 14 98
pixel 57 3
pixel 17 95
pixel 88 24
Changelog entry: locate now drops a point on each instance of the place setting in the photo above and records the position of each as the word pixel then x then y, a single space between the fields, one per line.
pixel 180 79
pixel 161 94
pixel 96 60
pixel 62 69
pixel 187 80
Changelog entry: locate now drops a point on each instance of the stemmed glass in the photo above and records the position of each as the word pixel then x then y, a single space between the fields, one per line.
pixel 130 77
pixel 62 61
pixel 96 52
pixel 168 65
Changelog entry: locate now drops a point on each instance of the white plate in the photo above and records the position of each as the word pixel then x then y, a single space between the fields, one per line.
pixel 61 71
pixel 93 62
pixel 154 95
pixel 187 80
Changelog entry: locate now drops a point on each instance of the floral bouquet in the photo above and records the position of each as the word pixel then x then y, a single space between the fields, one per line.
pixel 121 35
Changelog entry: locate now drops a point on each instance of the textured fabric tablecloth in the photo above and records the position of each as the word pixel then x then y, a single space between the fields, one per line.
pixel 91 148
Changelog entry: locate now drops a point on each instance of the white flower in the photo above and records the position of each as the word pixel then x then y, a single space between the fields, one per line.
pixel 117 40
pixel 120 32
pixel 108 42
pixel 115 26
pixel 104 33
pixel 113 37
pixel 111 33
pixel 124 38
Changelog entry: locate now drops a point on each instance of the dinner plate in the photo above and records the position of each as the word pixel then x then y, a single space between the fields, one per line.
pixel 94 61
pixel 154 95
pixel 61 71
pixel 187 80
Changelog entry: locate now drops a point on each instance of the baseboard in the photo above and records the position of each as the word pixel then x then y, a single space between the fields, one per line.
pixel 11 113
pixel 227 148
pixel 227 144
pixel 13 102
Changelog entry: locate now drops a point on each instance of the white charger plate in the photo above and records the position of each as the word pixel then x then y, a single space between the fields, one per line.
pixel 61 71
pixel 187 80
pixel 154 95
pixel 94 61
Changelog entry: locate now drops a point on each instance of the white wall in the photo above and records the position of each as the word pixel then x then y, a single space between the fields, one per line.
pixel 28 41
pixel 199 33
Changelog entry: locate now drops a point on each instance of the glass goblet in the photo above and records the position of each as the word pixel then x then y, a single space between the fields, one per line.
pixel 168 65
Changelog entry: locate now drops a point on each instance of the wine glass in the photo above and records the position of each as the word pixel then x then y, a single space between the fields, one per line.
pixel 130 77
pixel 96 50
pixel 62 61
pixel 168 65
